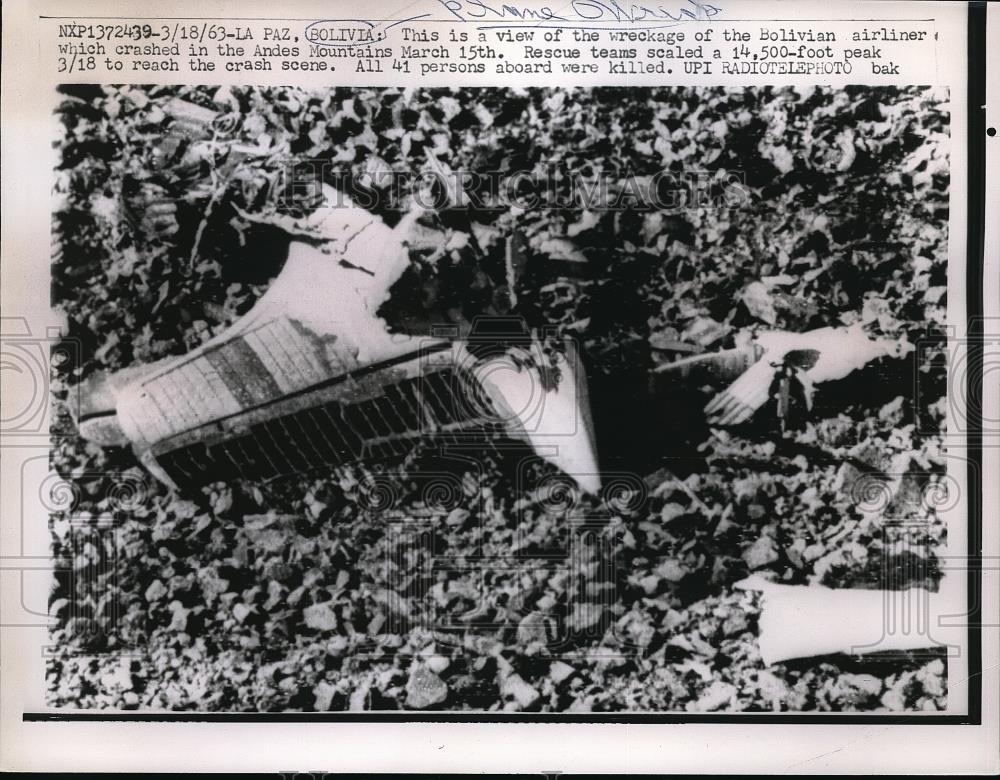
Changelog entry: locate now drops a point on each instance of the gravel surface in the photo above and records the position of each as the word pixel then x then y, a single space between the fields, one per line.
pixel 366 588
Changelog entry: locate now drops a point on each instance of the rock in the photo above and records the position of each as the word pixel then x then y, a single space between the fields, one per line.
pixel 179 616
pixel 558 671
pixel 241 611
pixel 155 591
pixel 604 657
pixel 794 552
pixel 324 693
pixel 832 560
pixel 681 641
pixel 270 532
pixel 268 540
pixel 666 340
pixel 852 690
pixel 867 683
pixel 320 616
pixel 931 676
pixel 770 687
pixel 515 686
pixel 672 569
pixel 715 696
pixel 893 700
pixel 584 616
pixel 359 699
pixel 704 331
pixel 117 677
pixel 457 517
pixel 757 298
pixel 671 511
pixel 760 553
pixel 559 249
pixel 536 627
pixel 438 663
pixel 336 645
pixel 673 619
pixel 703 670
pixel 736 623
pixel 184 510
pixel 278 570
pixel 895 697
pixel 504 667
pixel 425 689
pixel 650 584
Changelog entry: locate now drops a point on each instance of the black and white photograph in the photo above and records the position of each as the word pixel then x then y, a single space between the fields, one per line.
pixel 508 401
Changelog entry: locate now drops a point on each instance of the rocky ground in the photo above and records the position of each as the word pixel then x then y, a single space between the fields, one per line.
pixel 365 588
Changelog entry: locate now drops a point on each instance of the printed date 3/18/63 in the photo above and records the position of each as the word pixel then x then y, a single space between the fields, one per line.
pixel 175 32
